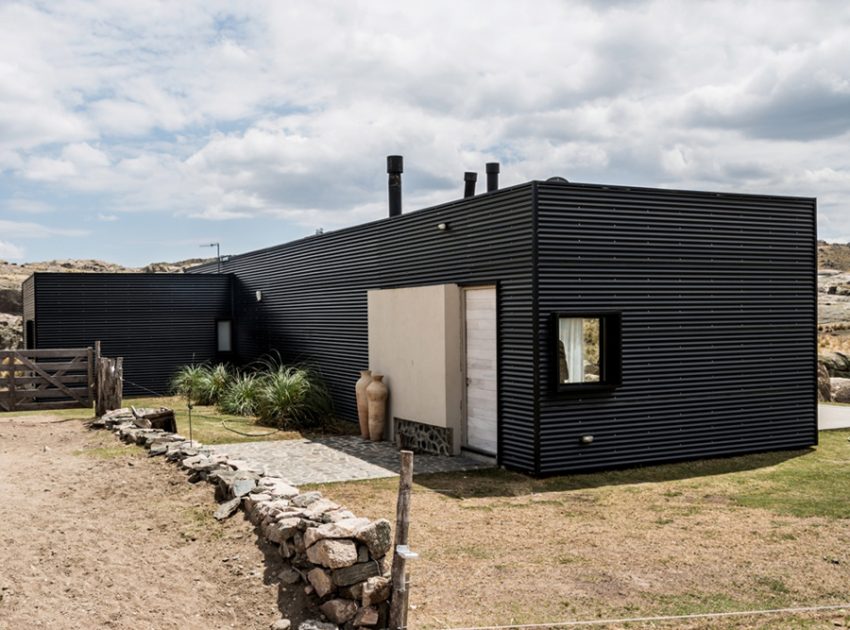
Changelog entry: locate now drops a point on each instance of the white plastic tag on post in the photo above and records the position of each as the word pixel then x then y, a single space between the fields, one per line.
pixel 405 552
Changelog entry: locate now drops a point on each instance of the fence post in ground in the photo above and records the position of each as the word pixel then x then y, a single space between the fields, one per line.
pixel 398 605
pixel 110 377
pixel 95 385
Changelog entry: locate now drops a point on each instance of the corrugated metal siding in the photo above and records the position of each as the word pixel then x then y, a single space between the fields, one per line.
pixel 28 303
pixel 719 311
pixel 157 322
pixel 314 295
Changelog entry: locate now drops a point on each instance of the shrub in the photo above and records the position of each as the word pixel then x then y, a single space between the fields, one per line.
pixel 293 397
pixel 189 380
pixel 242 396
pixel 217 381
pixel 201 383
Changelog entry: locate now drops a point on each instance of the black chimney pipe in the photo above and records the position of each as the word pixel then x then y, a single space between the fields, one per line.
pixel 492 176
pixel 395 167
pixel 469 179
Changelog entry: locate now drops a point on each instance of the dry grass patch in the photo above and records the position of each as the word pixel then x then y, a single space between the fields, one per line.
pixel 209 425
pixel 755 532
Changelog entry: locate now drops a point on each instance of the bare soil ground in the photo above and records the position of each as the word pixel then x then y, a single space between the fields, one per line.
pixel 748 533
pixel 94 534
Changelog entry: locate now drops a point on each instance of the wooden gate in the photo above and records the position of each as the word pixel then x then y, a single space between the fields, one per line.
pixel 46 379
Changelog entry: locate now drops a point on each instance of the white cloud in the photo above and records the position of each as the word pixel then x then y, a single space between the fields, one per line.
pixel 217 111
pixel 10 251
pixel 26 229
pixel 108 218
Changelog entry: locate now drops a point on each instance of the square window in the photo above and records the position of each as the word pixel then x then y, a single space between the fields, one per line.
pixel 586 350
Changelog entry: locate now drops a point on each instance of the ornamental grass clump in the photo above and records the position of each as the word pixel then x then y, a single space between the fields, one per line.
pixel 202 384
pixel 293 397
pixel 242 397
pixel 188 380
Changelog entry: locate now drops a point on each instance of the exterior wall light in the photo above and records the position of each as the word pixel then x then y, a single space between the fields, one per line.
pixel 259 296
pixel 442 227
pixel 587 439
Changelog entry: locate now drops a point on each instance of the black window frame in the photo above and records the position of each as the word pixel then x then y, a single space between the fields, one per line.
pixel 610 351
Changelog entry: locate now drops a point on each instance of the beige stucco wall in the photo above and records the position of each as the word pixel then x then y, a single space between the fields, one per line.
pixel 415 341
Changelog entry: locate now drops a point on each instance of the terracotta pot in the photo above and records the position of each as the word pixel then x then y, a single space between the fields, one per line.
pixel 377 393
pixel 362 402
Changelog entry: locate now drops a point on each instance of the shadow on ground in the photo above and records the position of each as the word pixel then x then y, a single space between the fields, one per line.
pixel 495 482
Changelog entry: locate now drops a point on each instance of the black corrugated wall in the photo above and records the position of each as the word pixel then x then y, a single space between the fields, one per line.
pixel 313 305
pixel 157 322
pixel 28 304
pixel 717 293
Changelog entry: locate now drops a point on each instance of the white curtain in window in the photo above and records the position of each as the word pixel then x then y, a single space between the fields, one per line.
pixel 572 335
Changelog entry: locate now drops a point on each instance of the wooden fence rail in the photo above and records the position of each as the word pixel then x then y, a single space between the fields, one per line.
pixel 61 378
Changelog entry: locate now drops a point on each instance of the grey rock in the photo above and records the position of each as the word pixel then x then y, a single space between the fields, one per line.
pixel 241 487
pixel 321 581
pixel 339 610
pixel 288 575
pixel 333 554
pixel 376 590
pixel 281 624
pixel 346 528
pixel 227 509
pixel 377 535
pixel 305 499
pixel 840 389
pixel 312 624
pixel 366 617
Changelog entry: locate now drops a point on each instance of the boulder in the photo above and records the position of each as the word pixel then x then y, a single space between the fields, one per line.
pixel 824 387
pixel 837 363
pixel 840 389
pixel 333 554
pixel 339 610
pixel 376 590
pixel 377 535
pixel 321 581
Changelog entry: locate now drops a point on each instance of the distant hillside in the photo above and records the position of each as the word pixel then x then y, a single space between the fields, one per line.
pixel 834 256
pixel 13 274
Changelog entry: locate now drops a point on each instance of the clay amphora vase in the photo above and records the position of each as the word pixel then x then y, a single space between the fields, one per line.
pixel 362 402
pixel 377 393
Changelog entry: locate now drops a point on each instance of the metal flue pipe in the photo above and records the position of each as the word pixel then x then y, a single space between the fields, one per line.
pixel 395 167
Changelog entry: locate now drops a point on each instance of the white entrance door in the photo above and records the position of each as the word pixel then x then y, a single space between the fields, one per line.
pixel 481 373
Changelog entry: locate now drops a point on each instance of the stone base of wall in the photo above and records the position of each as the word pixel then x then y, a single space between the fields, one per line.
pixel 423 438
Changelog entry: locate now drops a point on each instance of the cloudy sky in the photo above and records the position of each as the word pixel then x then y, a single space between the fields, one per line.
pixel 135 131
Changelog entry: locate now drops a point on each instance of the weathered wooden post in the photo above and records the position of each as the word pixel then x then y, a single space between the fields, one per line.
pixel 93 370
pixel 110 389
pixel 401 551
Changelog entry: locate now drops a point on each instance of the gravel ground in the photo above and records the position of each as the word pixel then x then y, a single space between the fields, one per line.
pixel 94 534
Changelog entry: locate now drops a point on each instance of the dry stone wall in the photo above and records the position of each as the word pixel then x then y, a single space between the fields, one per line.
pixel 342 560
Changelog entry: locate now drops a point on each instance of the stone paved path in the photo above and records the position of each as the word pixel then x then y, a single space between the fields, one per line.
pixel 337 458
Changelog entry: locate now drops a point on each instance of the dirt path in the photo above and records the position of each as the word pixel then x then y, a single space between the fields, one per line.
pixel 94 534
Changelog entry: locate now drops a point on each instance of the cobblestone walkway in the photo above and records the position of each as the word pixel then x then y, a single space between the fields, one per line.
pixel 337 458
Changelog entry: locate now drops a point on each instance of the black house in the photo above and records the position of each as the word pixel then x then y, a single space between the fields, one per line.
pixel 556 326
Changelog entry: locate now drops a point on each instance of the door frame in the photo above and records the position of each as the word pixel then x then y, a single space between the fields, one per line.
pixel 464 404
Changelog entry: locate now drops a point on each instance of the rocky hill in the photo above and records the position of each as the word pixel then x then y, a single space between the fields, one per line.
pixel 13 274
pixel 834 256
